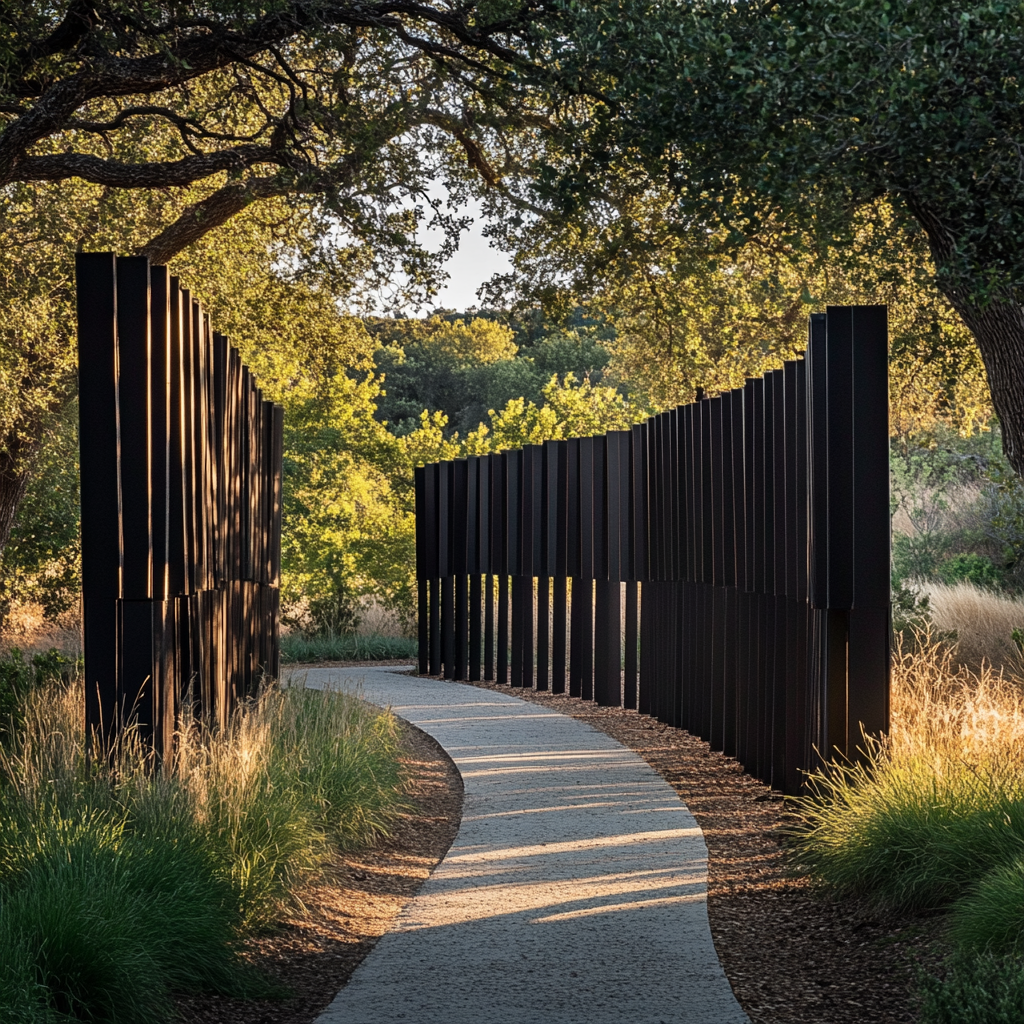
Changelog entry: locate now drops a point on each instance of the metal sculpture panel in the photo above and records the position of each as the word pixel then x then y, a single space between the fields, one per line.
pixel 749 533
pixel 181 507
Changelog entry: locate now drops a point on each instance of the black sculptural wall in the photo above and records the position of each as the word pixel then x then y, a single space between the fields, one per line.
pixel 181 506
pixel 723 566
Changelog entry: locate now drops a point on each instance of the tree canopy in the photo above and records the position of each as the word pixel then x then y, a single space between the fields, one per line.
pixel 788 124
pixel 360 106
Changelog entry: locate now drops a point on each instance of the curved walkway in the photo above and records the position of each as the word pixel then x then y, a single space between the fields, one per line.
pixel 575 891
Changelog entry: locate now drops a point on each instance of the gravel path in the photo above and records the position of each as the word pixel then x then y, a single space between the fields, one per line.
pixel 575 891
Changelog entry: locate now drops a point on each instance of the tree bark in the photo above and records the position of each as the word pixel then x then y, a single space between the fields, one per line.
pixel 998 328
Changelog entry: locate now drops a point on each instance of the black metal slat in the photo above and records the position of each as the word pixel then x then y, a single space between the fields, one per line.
pixel 101 522
pixel 717 510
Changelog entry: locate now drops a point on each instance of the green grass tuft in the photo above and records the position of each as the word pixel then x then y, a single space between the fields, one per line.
pixel 909 833
pixel 296 648
pixel 980 989
pixel 120 886
pixel 990 916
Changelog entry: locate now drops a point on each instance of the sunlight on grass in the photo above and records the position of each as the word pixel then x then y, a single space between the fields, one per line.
pixel 120 884
pixel 983 621
pixel 934 821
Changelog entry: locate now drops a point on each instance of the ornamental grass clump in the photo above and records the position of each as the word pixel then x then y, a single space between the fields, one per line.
pixel 122 883
pixel 333 646
pixel 934 819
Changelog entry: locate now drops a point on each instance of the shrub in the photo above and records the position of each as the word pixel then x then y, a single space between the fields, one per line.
pixel 979 989
pixel 970 568
pixel 52 666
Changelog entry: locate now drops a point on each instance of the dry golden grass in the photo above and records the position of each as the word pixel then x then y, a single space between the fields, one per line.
pixel 983 620
pixel 941 802
pixel 32 633
pixel 944 710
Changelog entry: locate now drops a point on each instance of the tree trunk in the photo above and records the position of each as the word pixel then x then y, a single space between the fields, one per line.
pixel 12 491
pixel 998 329
pixel 997 326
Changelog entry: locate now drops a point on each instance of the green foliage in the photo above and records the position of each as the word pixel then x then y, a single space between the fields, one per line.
pixel 957 511
pixel 977 989
pixel 19 678
pixel 54 667
pixel 15 684
pixel 115 921
pixel 120 886
pixel 909 834
pixel 329 646
pixel 348 505
pixel 788 120
pixel 423 368
pixel 910 611
pixel 570 409
pixel 991 915
pixel 971 568
pixel 41 562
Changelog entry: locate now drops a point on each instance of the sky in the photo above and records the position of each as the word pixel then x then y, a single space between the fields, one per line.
pixel 473 264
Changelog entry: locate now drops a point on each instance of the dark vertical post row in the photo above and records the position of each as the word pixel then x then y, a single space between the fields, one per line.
pixel 722 566
pixel 181 507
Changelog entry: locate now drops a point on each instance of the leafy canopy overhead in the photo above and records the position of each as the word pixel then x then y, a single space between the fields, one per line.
pixel 360 105
pixel 732 123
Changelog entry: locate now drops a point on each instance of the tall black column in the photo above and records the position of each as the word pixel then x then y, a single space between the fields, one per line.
pixel 559 622
pixel 543 631
pixel 629 681
pixel 502 677
pixel 475 615
pixel 489 626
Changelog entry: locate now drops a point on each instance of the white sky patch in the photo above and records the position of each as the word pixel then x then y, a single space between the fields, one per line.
pixel 474 263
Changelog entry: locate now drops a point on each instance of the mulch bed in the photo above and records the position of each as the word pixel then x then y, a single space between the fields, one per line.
pixel 791 955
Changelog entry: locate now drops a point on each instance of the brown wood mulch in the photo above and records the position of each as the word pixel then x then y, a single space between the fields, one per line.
pixel 791 955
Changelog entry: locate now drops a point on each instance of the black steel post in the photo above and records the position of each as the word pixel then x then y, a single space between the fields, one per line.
pixel 448 625
pixel 435 665
pixel 101 522
pixel 502 676
pixel 543 632
pixel 475 613
pixel 558 633
pixel 422 617
pixel 489 582
pixel 870 628
pixel 630 660
pixel 518 615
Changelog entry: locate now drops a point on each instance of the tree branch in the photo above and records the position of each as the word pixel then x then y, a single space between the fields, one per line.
pixel 222 205
pixel 116 174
